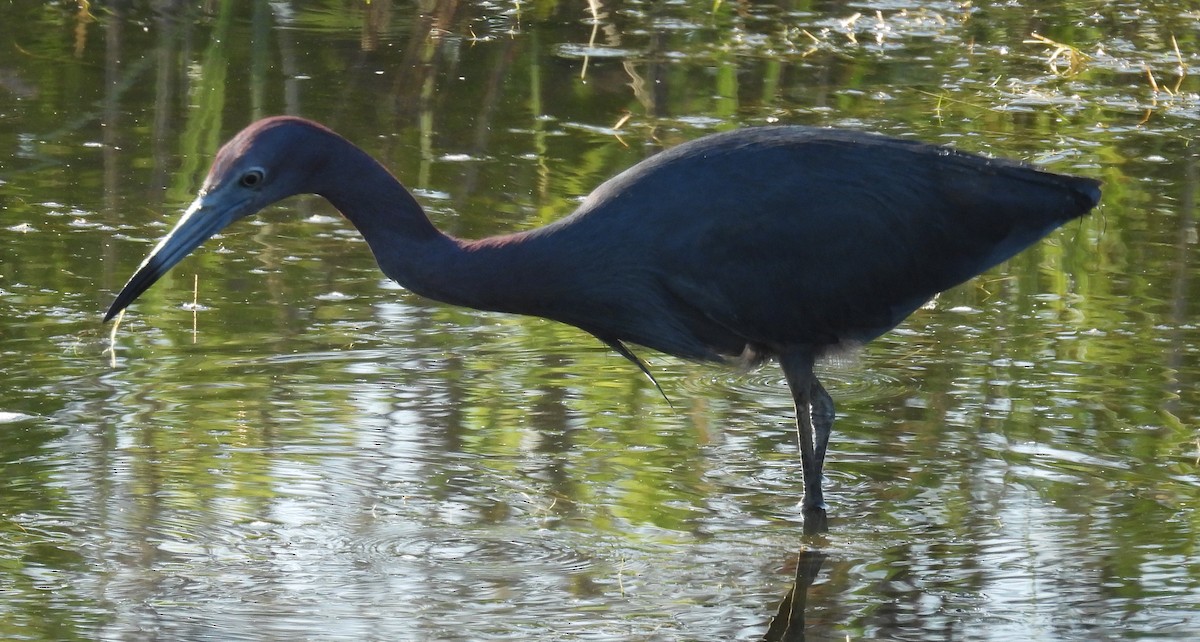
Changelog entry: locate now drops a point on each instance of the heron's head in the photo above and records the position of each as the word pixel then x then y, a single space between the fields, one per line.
pixel 268 161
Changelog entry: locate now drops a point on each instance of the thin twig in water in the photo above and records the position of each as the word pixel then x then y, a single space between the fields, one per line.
pixel 1182 65
pixel 195 303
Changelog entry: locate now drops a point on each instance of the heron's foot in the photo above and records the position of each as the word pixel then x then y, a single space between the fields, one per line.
pixel 816 519
pixel 813 504
pixel 814 495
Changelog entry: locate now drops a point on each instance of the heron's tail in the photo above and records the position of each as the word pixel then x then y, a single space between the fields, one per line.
pixel 1086 192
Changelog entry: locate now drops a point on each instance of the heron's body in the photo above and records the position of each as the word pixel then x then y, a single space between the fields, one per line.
pixel 768 239
pixel 781 242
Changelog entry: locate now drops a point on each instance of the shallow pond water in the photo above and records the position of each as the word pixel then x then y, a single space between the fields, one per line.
pixel 281 444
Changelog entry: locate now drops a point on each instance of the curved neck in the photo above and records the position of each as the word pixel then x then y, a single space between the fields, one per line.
pixel 497 273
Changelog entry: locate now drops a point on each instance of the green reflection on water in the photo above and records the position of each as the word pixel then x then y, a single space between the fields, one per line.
pixel 321 439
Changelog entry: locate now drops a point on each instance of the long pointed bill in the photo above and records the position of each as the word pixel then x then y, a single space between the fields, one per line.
pixel 199 222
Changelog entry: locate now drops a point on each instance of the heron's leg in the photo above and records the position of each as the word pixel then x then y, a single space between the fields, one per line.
pixel 798 369
pixel 822 418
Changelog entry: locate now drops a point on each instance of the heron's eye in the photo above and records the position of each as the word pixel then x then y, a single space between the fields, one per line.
pixel 252 178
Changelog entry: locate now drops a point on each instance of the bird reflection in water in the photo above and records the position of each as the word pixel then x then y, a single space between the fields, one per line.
pixel 788 625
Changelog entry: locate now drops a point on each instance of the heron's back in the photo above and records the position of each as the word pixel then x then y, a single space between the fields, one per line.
pixel 775 237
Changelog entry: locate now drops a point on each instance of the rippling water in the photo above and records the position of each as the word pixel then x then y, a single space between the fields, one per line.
pixel 281 444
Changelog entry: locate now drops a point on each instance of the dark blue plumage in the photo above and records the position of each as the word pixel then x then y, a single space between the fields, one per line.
pixel 771 242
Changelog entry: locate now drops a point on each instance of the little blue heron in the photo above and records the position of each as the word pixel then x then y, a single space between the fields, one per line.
pixel 779 242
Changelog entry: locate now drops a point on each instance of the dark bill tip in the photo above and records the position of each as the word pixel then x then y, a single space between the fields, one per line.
pixel 146 275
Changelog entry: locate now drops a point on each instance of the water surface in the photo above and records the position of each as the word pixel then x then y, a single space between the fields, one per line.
pixel 281 444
